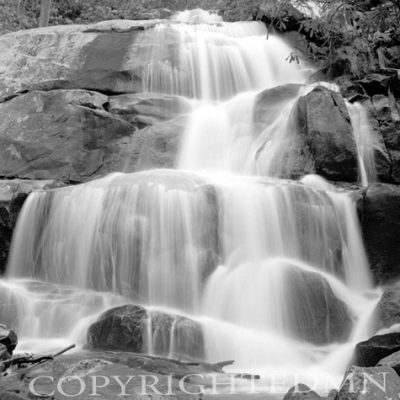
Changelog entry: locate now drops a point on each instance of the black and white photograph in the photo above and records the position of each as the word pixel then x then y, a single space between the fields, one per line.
pixel 200 199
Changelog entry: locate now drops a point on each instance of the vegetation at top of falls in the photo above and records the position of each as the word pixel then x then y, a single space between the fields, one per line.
pixel 348 37
pixel 24 14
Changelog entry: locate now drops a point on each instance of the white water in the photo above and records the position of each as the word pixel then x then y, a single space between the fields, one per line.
pixel 273 270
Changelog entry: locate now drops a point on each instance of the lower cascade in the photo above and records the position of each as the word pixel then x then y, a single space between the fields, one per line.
pixel 226 258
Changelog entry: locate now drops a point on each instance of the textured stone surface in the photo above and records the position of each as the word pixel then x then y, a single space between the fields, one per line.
pixel 371 351
pixel 324 123
pixel 387 312
pixel 61 134
pixel 379 211
pixel 125 328
pixel 101 56
pixel 379 383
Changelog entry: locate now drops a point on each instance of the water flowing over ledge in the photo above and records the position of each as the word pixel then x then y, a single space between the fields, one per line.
pixel 273 271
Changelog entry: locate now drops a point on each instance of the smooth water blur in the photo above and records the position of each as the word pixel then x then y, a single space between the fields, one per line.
pixel 273 271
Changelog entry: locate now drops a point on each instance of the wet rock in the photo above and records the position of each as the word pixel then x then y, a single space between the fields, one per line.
pixel 120 328
pixel 387 312
pixel 301 392
pixel 383 160
pixel 379 383
pixel 12 196
pixel 4 353
pixel 379 211
pixel 371 351
pixel 156 146
pixel 316 314
pixel 148 109
pixel 64 135
pixel 8 338
pixel 127 328
pixel 324 124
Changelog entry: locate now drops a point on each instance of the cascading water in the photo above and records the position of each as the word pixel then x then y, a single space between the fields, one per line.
pixel 273 270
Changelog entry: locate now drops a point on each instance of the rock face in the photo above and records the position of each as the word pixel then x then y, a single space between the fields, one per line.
pixel 369 384
pixel 324 123
pixel 316 314
pixel 62 135
pixel 379 210
pixel 101 57
pixel 392 361
pixel 119 328
pixel 370 352
pixel 320 135
pixel 12 196
pixel 126 328
pixel 387 312
pixel 8 338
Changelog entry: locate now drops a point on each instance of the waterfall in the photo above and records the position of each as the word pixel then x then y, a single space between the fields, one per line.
pixel 273 270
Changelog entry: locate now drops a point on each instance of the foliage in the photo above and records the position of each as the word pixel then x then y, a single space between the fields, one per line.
pixel 346 34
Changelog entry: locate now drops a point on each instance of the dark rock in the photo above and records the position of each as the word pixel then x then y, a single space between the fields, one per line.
pixel 387 116
pixel 387 312
pixel 371 351
pixel 379 383
pixel 120 328
pixel 8 338
pixel 12 196
pixel 62 134
pixel 324 124
pixel 126 328
pixel 392 361
pixel 379 211
pixel 322 139
pixel 301 392
pixel 376 83
pixel 354 60
pixel 4 353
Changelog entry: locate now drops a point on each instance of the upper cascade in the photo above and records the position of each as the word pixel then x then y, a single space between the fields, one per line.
pixel 198 56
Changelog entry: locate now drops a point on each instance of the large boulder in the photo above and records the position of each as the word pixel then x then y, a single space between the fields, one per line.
pixel 312 135
pixel 59 134
pixel 315 313
pixel 379 211
pixel 371 351
pixel 12 196
pixel 324 124
pixel 101 57
pixel 379 383
pixel 126 328
pixel 119 328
